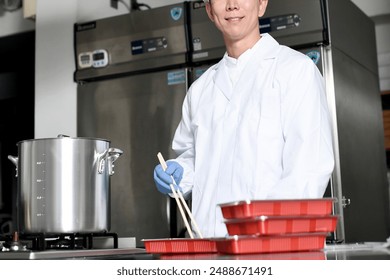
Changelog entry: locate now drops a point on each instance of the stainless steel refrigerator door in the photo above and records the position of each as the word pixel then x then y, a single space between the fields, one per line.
pixel 360 154
pixel 138 114
pixel 359 178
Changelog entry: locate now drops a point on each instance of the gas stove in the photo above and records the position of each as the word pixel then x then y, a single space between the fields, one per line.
pixel 69 246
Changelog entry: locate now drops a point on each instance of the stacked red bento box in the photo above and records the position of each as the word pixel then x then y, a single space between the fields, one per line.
pixel 268 226
pixel 261 226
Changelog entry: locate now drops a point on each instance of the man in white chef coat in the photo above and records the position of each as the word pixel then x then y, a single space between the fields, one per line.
pixel 254 126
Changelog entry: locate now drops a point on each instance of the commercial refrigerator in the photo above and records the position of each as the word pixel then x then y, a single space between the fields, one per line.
pixel 340 39
pixel 133 72
pixel 132 80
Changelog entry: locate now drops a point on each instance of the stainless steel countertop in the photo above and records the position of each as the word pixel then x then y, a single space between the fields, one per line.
pixel 358 251
pixel 103 249
pixel 131 253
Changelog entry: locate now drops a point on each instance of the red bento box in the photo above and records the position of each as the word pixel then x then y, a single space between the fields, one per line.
pixel 179 245
pixel 271 243
pixel 267 225
pixel 284 207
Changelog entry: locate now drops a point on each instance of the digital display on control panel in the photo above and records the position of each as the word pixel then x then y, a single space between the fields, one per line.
pixel 148 45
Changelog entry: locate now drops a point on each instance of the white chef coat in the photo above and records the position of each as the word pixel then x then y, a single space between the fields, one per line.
pixel 262 132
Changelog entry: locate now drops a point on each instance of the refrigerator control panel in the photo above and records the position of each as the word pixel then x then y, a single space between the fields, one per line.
pixel 148 45
pixel 279 23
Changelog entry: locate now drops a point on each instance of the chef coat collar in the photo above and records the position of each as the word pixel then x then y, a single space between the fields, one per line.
pixel 268 48
pixel 234 66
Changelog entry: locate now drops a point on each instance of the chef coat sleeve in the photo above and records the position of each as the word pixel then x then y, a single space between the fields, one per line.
pixel 184 146
pixel 307 159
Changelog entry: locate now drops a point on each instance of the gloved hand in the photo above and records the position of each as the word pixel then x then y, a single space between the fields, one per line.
pixel 163 178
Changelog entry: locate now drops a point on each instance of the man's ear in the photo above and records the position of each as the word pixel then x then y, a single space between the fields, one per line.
pixel 263 6
pixel 209 11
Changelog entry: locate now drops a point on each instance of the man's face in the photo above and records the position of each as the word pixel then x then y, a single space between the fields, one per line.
pixel 236 19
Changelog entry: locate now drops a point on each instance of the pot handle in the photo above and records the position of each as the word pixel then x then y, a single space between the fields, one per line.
pixel 111 155
pixel 14 160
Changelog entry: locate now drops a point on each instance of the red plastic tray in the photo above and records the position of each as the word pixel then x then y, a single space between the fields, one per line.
pixel 253 208
pixel 179 245
pixel 308 255
pixel 271 243
pixel 265 225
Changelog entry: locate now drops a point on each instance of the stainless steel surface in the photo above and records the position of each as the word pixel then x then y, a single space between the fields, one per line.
pixel 335 182
pixel 347 38
pixel 361 149
pixel 358 251
pixel 311 29
pixel 349 67
pixel 63 185
pixel 354 101
pixel 70 254
pixel 117 34
pixel 140 114
pixel 102 249
pixel 136 101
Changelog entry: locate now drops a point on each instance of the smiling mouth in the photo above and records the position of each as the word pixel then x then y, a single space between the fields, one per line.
pixel 234 18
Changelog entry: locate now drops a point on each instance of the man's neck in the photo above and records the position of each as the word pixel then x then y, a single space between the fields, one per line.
pixel 236 48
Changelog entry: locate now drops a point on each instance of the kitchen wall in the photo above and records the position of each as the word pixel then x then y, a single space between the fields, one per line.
pixel 383 47
pixel 379 11
pixel 55 91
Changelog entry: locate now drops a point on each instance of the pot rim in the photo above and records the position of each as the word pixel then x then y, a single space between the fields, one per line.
pixel 67 138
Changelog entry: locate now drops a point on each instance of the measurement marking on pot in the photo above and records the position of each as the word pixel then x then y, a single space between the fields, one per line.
pixel 41 182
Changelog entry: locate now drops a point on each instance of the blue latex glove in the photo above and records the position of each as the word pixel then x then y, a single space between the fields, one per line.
pixel 163 178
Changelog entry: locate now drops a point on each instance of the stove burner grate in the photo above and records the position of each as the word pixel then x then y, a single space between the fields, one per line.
pixel 63 241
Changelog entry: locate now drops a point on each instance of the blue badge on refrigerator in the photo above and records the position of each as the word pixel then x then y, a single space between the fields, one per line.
pixel 176 13
pixel 176 77
pixel 314 55
pixel 199 72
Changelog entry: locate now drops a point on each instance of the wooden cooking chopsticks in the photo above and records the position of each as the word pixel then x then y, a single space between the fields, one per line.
pixel 180 200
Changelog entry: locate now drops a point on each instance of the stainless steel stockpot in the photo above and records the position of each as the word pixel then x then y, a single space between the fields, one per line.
pixel 64 184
